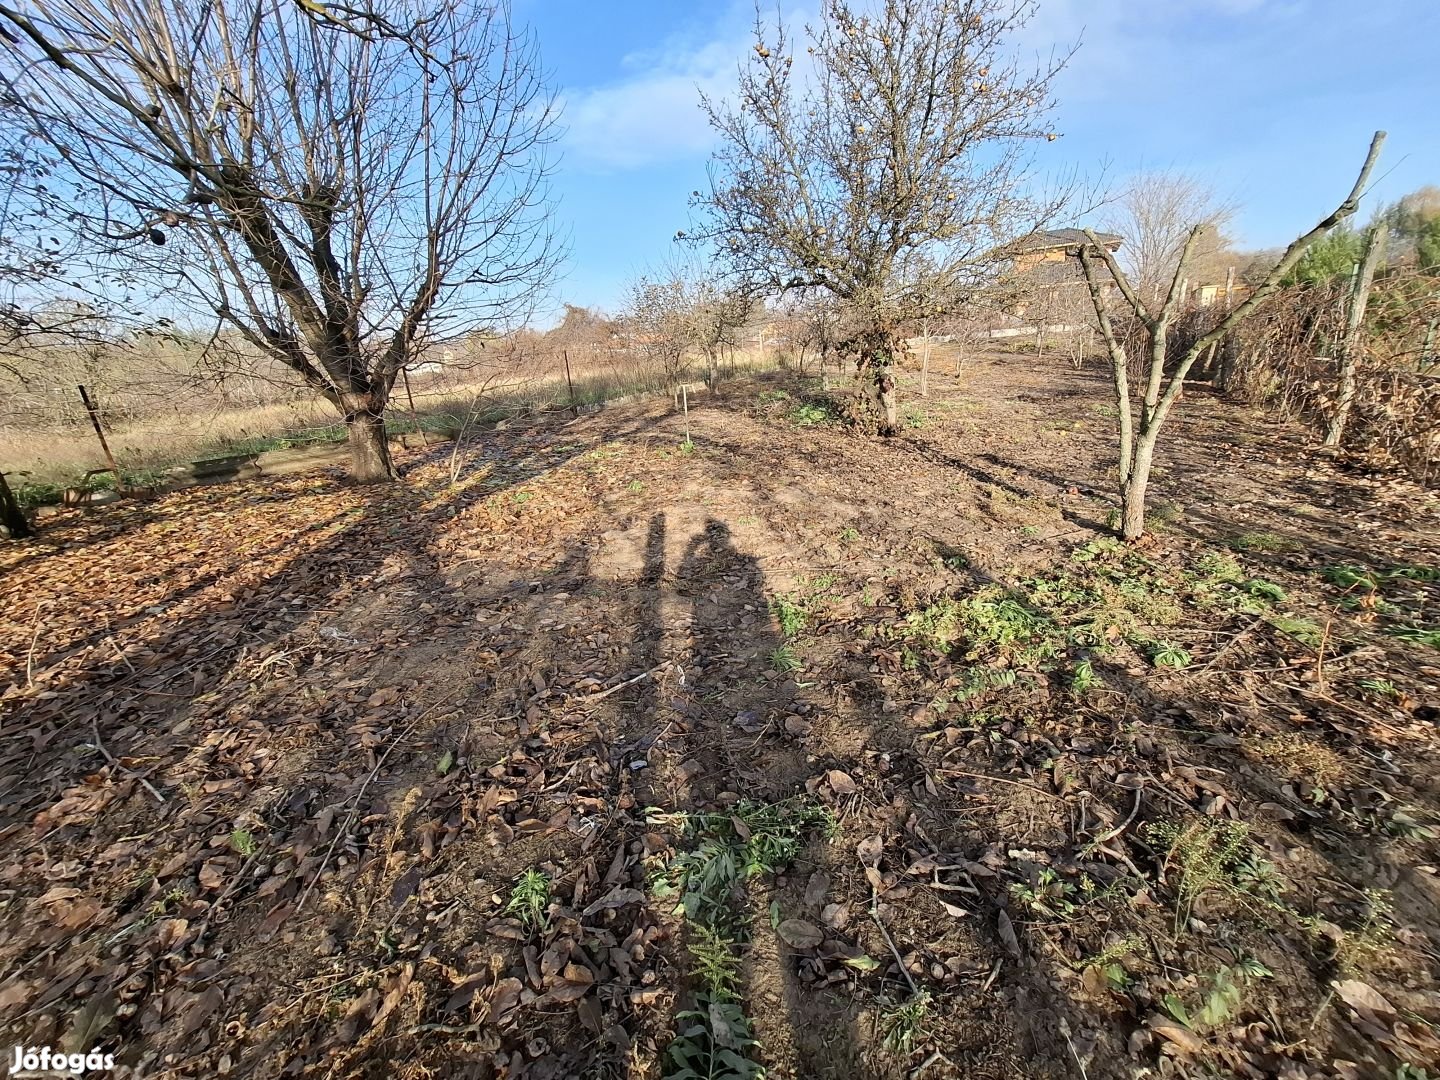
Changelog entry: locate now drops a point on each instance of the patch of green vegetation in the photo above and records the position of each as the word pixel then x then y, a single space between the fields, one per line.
pixel 1221 996
pixel 1383 687
pixel 1049 896
pixel 530 900
pixel 716 1038
pixel 1264 590
pixel 750 839
pixel 1211 855
pixel 1084 678
pixel 243 841
pixel 849 534
pixel 816 412
pixel 687 448
pixel 1416 635
pixel 913 417
pixel 902 1025
pixel 1267 542
pixel 1219 568
pixel 785 660
pixel 1167 655
pixel 770 397
pixel 1351 577
pixel 790 613
pixel 1306 631
pixel 793 610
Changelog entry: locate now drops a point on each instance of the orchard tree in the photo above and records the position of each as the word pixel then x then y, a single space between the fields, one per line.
pixel 886 166
pixel 342 191
pixel 1137 441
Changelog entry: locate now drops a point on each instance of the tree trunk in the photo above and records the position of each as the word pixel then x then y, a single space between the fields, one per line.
pixel 1133 488
pixel 1354 323
pixel 369 449
pixel 12 518
pixel 882 392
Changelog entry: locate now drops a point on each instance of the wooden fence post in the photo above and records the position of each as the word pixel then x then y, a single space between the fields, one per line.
pixel 94 412
pixel 574 407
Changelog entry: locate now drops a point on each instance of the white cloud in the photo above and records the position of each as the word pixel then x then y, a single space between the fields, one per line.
pixel 653 116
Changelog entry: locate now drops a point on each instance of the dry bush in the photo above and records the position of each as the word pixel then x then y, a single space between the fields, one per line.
pixel 1283 357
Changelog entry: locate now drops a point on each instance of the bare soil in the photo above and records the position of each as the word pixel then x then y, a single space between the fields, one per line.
pixel 273 756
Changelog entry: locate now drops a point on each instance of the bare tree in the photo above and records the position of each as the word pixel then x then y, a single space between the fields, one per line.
pixel 340 191
pixel 659 318
pixel 1155 215
pixel 894 169
pixel 1137 445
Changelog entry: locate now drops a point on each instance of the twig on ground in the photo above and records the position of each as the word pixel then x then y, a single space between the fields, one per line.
pixel 95 731
pixel 934 1059
pixel 591 698
pixel 34 637
pixel 1000 780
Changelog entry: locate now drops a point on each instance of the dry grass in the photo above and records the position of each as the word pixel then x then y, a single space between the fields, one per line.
pixel 1297 756
pixel 63 455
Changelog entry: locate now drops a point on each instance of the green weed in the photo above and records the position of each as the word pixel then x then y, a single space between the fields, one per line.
pixel 785 660
pixel 1167 655
pixel 530 900
pixel 243 842
pixel 1222 997
pixel 1050 896
pixel 1306 631
pixel 903 1025
pixel 1208 855
pixel 1084 679
pixel 712 1043
pixel 789 612
pixel 1416 635
pixel 753 838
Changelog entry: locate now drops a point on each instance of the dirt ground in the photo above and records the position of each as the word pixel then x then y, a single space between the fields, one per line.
pixel 275 756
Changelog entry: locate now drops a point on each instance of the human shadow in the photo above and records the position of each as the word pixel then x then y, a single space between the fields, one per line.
pixel 239 702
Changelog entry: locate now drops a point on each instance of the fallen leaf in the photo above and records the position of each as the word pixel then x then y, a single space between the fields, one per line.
pixel 88 1024
pixel 800 934
pixel 1359 995
pixel 1007 935
pixel 841 782
pixel 1178 1036
pixel 869 850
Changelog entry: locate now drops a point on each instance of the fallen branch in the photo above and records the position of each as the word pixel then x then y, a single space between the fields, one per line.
pixel 95 730
pixel 590 699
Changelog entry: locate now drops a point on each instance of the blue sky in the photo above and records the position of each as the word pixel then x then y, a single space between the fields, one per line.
pixel 1270 101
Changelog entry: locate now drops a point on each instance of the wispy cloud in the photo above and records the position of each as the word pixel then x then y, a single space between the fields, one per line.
pixel 653 115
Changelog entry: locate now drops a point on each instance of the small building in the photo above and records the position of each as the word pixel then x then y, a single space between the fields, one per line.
pixel 1056 246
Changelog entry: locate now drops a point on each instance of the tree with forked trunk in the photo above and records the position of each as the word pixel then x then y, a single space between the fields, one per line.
pixel 1137 443
pixel 344 192
pixel 888 172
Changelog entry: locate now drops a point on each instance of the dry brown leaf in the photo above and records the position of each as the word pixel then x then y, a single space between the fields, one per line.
pixel 1360 995
pixel 869 850
pixel 800 934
